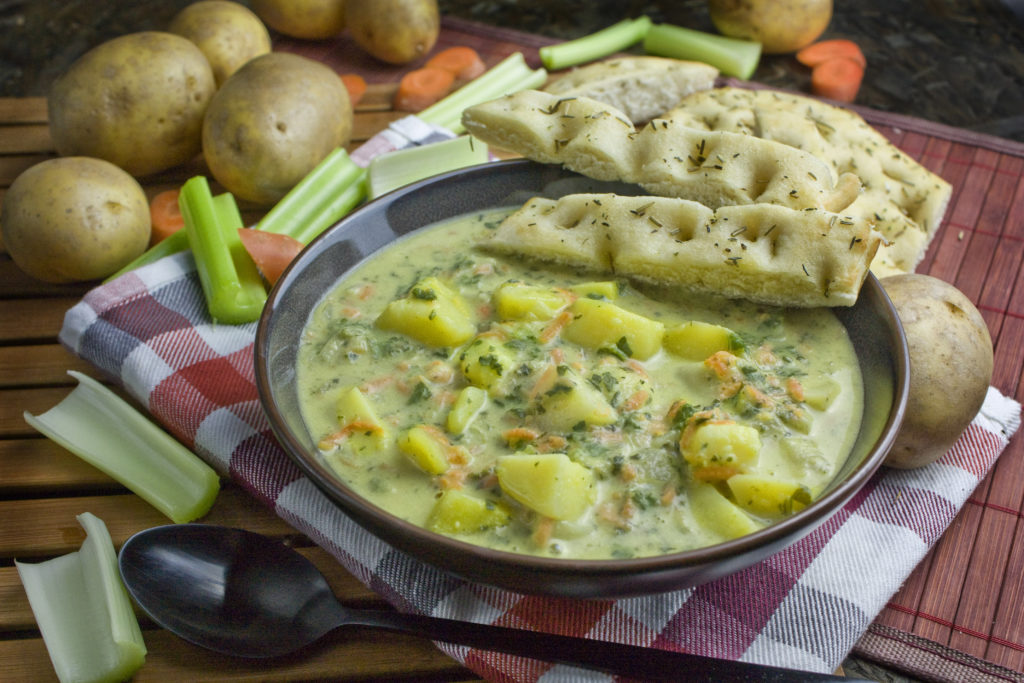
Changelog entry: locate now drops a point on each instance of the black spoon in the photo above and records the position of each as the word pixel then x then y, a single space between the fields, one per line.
pixel 247 595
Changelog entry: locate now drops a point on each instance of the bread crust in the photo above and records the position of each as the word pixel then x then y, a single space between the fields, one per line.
pixel 766 253
pixel 641 87
pixel 716 168
pixel 906 201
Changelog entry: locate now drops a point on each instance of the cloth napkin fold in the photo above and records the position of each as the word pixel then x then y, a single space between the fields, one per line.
pixel 802 608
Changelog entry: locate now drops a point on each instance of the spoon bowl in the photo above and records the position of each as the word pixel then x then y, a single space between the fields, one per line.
pixel 228 590
pixel 247 595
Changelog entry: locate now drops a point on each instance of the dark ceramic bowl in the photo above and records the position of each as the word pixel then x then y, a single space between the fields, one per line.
pixel 872 324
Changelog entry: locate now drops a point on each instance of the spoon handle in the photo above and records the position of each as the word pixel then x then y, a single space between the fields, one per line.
pixel 629 660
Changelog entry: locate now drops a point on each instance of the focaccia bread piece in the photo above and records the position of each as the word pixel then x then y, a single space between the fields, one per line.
pixel 713 167
pixel 760 252
pixel 639 87
pixel 905 199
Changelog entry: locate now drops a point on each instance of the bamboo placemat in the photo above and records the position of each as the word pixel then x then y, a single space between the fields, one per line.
pixel 960 615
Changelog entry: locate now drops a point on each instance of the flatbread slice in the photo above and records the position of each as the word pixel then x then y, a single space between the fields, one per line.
pixel 665 158
pixel 905 200
pixel 760 252
pixel 640 87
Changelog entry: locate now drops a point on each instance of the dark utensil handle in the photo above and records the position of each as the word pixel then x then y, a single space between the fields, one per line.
pixel 626 660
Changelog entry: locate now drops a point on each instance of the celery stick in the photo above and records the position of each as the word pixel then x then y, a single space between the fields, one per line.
pixel 231 282
pixel 731 56
pixel 313 204
pixel 338 206
pixel 603 43
pixel 104 430
pixel 83 610
pixel 401 167
pixel 170 245
pixel 510 75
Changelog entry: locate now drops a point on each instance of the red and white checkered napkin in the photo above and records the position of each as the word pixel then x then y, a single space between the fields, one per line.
pixel 802 608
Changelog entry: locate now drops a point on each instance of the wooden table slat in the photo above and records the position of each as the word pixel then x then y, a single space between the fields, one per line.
pixel 365 655
pixel 38 364
pixel 44 527
pixel 37 467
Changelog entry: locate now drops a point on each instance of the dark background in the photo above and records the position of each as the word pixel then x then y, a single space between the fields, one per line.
pixel 959 62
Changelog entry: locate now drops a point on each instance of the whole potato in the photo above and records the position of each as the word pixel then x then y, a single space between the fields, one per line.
pixel 394 31
pixel 74 219
pixel 228 33
pixel 309 19
pixel 136 100
pixel 950 366
pixel 271 122
pixel 780 26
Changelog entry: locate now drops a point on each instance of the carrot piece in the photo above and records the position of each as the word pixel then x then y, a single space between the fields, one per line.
pixel 555 327
pixel 271 251
pixel 464 62
pixel 837 79
pixel 421 88
pixel 711 473
pixel 824 50
pixel 356 86
pixel 164 216
pixel 636 400
pixel 519 435
pixel 542 532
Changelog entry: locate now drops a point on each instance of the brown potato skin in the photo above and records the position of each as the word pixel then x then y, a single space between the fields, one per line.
pixel 307 19
pixel 229 34
pixel 136 101
pixel 781 26
pixel 394 31
pixel 273 121
pixel 74 219
pixel 951 361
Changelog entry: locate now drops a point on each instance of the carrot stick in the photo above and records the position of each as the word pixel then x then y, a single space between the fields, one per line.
pixel 271 251
pixel 421 88
pixel 164 216
pixel 554 328
pixel 356 86
pixel 837 79
pixel 518 435
pixel 816 53
pixel 464 62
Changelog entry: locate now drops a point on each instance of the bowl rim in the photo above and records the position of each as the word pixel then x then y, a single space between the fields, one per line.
pixel 441 550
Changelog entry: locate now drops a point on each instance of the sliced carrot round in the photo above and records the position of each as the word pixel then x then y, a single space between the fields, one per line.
pixel 823 50
pixel 838 79
pixel 421 88
pixel 356 86
pixel 271 251
pixel 463 61
pixel 164 216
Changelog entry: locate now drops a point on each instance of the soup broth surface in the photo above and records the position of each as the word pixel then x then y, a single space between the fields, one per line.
pixel 537 410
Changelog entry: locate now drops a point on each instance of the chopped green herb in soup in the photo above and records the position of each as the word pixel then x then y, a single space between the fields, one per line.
pixel 541 411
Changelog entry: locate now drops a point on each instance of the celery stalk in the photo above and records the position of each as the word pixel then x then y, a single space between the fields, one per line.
pixel 83 610
pixel 104 430
pixel 509 75
pixel 231 282
pixel 169 245
pixel 332 189
pixel 403 166
pixel 603 43
pixel 731 56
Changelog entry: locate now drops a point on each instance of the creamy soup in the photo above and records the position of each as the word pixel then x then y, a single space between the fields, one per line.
pixel 536 410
